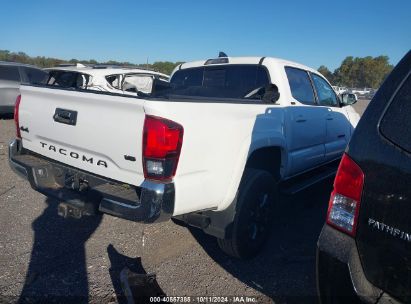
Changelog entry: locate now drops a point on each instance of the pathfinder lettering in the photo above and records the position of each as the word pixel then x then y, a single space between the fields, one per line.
pixel 74 155
pixel 390 230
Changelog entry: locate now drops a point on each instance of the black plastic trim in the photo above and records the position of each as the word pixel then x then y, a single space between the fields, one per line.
pixel 336 250
pixel 64 116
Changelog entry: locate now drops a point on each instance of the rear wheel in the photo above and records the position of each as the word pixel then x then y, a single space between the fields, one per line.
pixel 256 201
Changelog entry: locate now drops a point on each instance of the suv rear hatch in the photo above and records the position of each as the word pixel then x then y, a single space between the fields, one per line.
pixel 381 146
pixel 97 133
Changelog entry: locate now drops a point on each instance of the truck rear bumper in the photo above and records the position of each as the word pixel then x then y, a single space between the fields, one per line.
pixel 150 202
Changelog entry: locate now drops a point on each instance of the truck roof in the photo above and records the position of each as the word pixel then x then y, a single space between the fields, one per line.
pixel 246 60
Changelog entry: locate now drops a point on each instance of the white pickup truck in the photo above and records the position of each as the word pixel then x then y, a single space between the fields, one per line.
pixel 212 148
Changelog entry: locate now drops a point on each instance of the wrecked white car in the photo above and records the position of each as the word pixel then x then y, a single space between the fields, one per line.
pixel 118 80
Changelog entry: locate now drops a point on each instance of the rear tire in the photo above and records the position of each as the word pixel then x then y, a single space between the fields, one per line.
pixel 255 209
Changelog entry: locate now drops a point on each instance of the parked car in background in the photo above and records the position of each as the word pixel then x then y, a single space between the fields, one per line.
pixel 340 90
pixel 11 76
pixel 104 78
pixel 364 250
pixel 361 91
pixel 212 150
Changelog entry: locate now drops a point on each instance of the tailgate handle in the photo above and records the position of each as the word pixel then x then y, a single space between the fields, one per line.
pixel 67 117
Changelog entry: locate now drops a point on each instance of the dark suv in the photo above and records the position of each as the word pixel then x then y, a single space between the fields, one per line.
pixel 11 76
pixel 364 250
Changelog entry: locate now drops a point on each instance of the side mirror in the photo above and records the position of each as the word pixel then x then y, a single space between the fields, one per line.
pixel 348 99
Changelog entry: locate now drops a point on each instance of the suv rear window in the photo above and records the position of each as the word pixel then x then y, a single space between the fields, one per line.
pixel 10 73
pixel 222 81
pixel 396 123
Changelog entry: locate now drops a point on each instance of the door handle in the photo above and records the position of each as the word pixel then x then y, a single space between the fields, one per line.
pixel 341 135
pixel 300 118
pixel 329 117
pixel 67 117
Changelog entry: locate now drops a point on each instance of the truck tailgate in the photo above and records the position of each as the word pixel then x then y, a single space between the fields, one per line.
pixel 103 135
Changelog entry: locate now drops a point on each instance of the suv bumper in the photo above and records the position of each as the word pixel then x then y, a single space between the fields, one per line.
pixel 88 193
pixel 340 277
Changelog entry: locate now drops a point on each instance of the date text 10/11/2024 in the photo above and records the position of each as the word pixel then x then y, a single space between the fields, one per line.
pixel 205 299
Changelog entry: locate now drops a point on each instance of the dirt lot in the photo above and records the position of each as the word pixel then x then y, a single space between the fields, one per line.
pixel 45 255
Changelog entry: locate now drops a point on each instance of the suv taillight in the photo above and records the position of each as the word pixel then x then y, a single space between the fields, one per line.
pixel 162 141
pixel 345 199
pixel 16 116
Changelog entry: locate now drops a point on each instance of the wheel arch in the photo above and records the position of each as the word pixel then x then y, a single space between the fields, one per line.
pixel 267 158
pixel 255 156
pixel 221 220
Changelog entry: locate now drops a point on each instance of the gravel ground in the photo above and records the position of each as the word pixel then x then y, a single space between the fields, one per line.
pixel 361 105
pixel 44 254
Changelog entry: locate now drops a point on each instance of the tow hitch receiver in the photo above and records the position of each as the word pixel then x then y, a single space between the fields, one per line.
pixel 68 211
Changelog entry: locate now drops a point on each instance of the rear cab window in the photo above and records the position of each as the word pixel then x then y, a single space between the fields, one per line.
pixel 235 81
pixel 300 85
pixel 395 124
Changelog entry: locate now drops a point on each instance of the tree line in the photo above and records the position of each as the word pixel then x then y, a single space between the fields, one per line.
pixel 359 72
pixel 165 67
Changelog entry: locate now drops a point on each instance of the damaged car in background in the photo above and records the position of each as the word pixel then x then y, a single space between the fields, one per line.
pixel 114 79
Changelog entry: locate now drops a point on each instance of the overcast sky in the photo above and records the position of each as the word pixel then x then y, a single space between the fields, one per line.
pixel 309 32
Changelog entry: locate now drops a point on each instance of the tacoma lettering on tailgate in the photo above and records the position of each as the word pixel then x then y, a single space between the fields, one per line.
pixel 74 155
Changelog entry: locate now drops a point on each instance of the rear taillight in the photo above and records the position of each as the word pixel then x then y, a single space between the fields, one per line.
pixel 345 199
pixel 162 141
pixel 16 116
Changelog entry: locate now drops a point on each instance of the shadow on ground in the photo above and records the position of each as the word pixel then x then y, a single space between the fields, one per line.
pixel 285 270
pixel 57 270
pixel 130 280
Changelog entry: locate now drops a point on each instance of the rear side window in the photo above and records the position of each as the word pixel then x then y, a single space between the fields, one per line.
pixel 114 80
pixel 396 123
pixel 68 79
pixel 222 81
pixel 300 85
pixel 35 75
pixel 10 73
